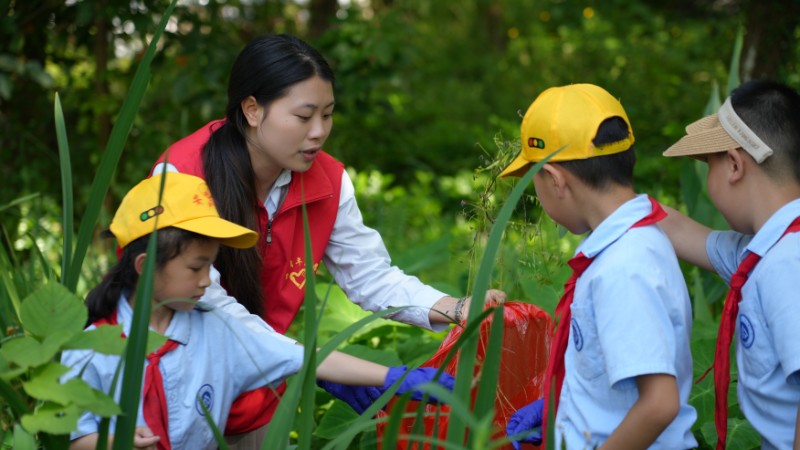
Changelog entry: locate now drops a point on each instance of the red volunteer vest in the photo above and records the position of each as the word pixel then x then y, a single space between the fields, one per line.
pixel 283 274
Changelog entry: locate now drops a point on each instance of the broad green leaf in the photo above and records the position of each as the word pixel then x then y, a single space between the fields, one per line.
pixel 51 309
pixel 22 440
pixel 340 312
pixel 46 386
pixel 8 373
pixel 741 435
pixel 106 339
pixel 154 341
pixel 53 419
pixel 702 399
pixel 28 352
pixel 338 419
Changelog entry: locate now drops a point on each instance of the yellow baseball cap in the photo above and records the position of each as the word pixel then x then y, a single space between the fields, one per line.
pixel 567 116
pixel 186 203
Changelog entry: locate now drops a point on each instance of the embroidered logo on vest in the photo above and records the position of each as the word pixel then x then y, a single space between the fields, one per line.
pixel 298 277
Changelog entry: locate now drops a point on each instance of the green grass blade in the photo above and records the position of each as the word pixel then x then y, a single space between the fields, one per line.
pixel 307 400
pixel 490 372
pixel 66 188
pixel 714 101
pixel 218 436
pixel 18 201
pixel 301 390
pixel 734 80
pixel 116 142
pixel 456 429
pixel 135 350
pixel 6 276
pixel 11 398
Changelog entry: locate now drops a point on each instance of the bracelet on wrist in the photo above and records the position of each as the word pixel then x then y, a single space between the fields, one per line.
pixel 459 307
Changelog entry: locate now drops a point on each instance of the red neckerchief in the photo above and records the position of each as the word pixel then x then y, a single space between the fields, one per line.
pixel 154 403
pixel 727 326
pixel 555 362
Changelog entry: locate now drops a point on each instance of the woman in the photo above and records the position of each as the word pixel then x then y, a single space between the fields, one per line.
pixel 262 163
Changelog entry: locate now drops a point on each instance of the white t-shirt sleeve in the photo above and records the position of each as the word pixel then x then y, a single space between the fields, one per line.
pixel 361 266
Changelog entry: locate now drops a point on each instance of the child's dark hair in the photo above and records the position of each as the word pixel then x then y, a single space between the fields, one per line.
pixel 599 172
pixel 266 69
pixel 122 277
pixel 772 111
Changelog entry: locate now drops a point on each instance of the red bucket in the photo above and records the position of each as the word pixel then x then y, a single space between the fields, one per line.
pixel 527 333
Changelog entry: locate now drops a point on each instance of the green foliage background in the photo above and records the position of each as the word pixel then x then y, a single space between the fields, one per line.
pixel 429 98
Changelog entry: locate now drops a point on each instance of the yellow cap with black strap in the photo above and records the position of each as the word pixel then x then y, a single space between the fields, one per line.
pixel 567 116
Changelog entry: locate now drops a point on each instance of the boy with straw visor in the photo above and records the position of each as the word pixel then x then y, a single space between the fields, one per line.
pixel 207 358
pixel 620 362
pixel 752 147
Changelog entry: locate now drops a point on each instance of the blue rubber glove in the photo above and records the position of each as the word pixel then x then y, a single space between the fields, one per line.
pixel 416 377
pixel 358 397
pixel 526 419
pixel 361 397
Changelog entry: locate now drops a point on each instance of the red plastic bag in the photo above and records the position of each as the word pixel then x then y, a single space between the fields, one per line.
pixel 527 333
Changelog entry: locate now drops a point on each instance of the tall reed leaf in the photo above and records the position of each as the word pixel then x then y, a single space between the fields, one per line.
pixel 306 426
pixel 455 432
pixel 303 384
pixel 66 187
pixel 116 142
pixel 734 79
pixel 136 348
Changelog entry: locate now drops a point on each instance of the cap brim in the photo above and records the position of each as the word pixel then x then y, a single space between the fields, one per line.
pixel 516 168
pixel 703 137
pixel 227 232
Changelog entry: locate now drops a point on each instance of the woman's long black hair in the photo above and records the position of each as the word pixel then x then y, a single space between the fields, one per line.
pixel 266 69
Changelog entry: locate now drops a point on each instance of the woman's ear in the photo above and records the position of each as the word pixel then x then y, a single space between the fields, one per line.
pixel 138 263
pixel 252 111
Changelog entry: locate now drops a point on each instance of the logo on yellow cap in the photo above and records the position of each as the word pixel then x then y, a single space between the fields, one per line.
pixel 150 213
pixel 535 143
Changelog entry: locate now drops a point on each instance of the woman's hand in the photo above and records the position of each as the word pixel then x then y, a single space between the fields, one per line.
pixel 456 310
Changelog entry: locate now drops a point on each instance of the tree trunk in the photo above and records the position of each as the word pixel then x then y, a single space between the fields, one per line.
pixel 323 13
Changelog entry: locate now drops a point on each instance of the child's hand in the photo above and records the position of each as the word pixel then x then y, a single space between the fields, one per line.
pixel 361 397
pixel 144 439
pixel 416 377
pixel 527 419
pixel 358 397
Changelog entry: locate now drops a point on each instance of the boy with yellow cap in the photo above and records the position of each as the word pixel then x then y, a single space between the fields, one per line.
pixel 620 363
pixel 752 147
pixel 203 362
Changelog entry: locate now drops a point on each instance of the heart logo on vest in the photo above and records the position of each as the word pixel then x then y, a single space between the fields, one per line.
pixel 298 278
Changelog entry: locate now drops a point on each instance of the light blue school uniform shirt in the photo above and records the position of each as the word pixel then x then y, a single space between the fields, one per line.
pixel 631 316
pixel 768 323
pixel 217 360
